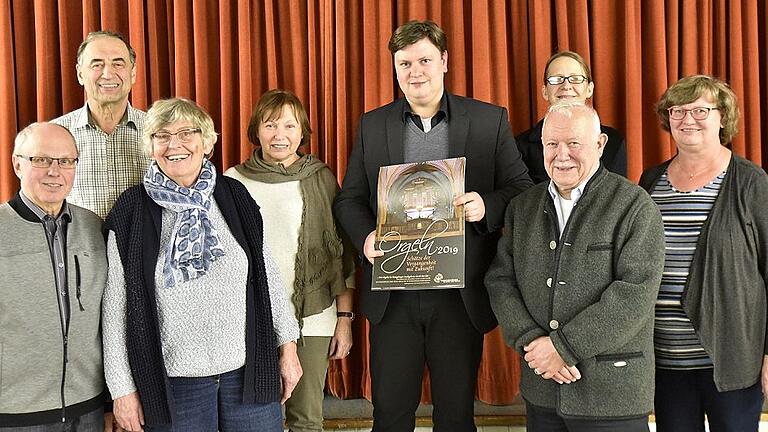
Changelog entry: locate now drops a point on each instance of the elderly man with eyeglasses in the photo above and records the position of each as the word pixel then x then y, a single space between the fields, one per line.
pixel 567 77
pixel 574 282
pixel 53 270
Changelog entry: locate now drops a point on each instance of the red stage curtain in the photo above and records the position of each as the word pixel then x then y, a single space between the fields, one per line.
pixel 333 54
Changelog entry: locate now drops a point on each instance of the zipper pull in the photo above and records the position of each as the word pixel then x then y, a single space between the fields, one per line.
pixel 77 281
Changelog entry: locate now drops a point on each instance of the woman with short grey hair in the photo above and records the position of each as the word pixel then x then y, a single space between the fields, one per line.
pixel 192 293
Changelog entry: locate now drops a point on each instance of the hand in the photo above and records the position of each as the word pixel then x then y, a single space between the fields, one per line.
pixel 764 375
pixel 110 425
pixel 544 359
pixel 290 369
pixel 474 206
pixel 128 412
pixel 566 375
pixel 341 342
pixel 369 250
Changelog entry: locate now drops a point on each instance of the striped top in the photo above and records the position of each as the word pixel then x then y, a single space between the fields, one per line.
pixel 684 213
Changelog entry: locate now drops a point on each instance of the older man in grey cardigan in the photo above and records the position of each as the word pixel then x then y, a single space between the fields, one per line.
pixel 574 284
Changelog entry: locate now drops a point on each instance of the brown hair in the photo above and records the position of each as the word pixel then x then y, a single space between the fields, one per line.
pixel 100 34
pixel 414 31
pixel 693 87
pixel 572 55
pixel 270 107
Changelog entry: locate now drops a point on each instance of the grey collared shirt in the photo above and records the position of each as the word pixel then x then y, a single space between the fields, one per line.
pixel 56 233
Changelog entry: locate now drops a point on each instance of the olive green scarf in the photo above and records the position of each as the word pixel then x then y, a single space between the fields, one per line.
pixel 321 259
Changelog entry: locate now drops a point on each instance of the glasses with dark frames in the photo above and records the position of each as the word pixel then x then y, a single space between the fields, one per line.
pixel 559 79
pixel 46 162
pixel 698 113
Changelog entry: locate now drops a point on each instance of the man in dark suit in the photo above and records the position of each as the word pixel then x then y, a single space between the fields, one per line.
pixel 443 328
pixel 567 77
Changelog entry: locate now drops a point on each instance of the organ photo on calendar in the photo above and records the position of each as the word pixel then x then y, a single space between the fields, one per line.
pixel 419 230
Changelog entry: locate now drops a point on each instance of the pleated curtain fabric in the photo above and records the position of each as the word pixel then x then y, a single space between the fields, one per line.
pixel 333 54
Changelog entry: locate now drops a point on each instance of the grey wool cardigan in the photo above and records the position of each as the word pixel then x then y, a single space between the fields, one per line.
pixel 591 290
pixel 725 294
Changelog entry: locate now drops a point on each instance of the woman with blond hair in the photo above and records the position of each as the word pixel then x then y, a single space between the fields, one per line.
pixel 711 313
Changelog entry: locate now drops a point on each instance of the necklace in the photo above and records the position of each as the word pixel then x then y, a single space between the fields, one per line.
pixel 706 168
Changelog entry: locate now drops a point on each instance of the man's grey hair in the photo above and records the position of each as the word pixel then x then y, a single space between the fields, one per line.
pixel 567 109
pixel 106 34
pixel 23 136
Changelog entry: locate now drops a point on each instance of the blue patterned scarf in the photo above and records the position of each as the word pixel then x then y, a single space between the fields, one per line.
pixel 194 244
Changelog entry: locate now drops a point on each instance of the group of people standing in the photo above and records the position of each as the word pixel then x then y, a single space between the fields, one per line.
pixel 207 300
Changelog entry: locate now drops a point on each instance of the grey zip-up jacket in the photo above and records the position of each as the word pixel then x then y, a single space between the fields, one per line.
pixel 46 377
pixel 725 295
pixel 591 290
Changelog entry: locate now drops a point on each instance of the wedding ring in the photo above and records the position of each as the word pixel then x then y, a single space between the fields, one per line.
pixel 537 372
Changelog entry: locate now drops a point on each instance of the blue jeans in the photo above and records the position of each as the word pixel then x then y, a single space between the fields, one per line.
pixel 684 397
pixel 90 422
pixel 215 403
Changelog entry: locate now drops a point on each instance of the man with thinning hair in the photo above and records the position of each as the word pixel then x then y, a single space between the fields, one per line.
pixel 53 271
pixel 574 285
pixel 107 128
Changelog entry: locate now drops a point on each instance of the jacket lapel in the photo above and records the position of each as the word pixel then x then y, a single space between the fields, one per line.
pixel 395 132
pixel 458 127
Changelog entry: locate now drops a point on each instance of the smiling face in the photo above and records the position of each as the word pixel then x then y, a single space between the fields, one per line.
pixel 565 67
pixel 46 187
pixel 181 161
pixel 280 137
pixel 420 69
pixel 106 71
pixel 689 132
pixel 572 148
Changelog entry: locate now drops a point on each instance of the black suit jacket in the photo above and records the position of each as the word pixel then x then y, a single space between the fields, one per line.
pixel 529 143
pixel 494 169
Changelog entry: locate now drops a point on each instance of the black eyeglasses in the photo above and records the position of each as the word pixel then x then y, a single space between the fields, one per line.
pixel 698 113
pixel 184 135
pixel 559 79
pixel 46 162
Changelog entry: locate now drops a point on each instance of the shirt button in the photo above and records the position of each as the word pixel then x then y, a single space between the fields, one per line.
pixel 554 324
pixel 61 264
pixel 549 282
pixel 552 245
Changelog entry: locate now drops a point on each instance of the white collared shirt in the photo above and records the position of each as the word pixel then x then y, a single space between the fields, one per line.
pixel 564 206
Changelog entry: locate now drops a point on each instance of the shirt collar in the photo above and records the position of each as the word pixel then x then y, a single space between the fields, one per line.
pixel 576 193
pixel 83 119
pixel 41 214
pixel 408 112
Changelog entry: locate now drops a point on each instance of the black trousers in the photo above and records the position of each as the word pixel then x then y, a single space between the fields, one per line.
pixel 418 328
pixel 540 419
pixel 684 397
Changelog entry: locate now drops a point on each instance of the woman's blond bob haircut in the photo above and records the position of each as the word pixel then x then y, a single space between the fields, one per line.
pixel 693 87
pixel 167 111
